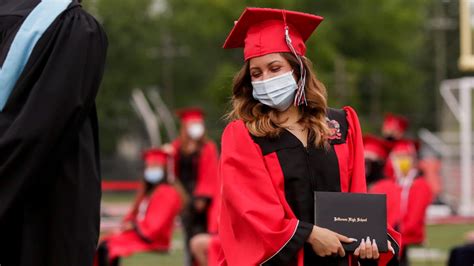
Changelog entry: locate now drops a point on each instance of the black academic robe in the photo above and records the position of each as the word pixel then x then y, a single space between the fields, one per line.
pixel 462 255
pixel 49 149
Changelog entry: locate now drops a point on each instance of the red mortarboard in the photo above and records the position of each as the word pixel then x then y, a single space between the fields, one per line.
pixel 157 156
pixel 395 122
pixel 192 113
pixel 405 146
pixel 261 31
pixel 376 145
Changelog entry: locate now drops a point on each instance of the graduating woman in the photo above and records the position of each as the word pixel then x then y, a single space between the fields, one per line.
pixel 149 225
pixel 283 144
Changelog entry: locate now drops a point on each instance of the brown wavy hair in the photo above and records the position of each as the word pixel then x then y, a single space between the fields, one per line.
pixel 262 121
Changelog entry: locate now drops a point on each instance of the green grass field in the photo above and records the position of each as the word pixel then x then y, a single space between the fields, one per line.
pixel 435 253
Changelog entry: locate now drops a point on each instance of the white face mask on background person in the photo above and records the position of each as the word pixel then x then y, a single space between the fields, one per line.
pixel 277 92
pixel 195 130
pixel 154 175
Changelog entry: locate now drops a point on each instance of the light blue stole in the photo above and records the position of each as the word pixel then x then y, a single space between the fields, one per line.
pixel 37 22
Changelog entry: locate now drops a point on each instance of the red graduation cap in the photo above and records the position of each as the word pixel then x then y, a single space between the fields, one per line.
pixel 155 156
pixel 376 145
pixel 405 146
pixel 261 31
pixel 395 123
pixel 190 114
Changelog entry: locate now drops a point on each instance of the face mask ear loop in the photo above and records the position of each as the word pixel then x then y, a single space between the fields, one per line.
pixel 300 97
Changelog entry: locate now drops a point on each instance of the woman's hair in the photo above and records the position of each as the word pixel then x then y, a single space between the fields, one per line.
pixel 262 121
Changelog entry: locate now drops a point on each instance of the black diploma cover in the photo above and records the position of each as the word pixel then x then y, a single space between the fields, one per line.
pixel 354 215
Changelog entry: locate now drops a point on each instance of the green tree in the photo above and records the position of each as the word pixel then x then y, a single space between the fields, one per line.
pixel 368 53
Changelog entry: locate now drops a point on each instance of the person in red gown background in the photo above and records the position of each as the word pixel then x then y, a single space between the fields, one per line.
pixel 150 223
pixel 282 144
pixel 195 163
pixel 408 195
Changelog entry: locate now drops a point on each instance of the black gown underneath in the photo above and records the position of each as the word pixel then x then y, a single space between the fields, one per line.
pixel 194 222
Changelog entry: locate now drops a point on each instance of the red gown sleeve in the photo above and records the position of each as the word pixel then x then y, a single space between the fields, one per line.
pixel 253 224
pixel 356 170
pixel 356 153
pixel 163 207
pixel 207 172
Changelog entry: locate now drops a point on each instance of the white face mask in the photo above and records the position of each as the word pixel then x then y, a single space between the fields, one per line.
pixel 277 92
pixel 154 175
pixel 195 130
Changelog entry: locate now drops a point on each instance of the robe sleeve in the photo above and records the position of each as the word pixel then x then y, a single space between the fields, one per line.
pixel 61 97
pixel 253 225
pixel 162 210
pixel 207 172
pixel 356 151
pixel 357 177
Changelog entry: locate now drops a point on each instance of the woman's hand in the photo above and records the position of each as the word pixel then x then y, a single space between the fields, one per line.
pixel 327 243
pixel 369 250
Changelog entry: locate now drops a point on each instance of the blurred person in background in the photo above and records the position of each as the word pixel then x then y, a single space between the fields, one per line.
pixel 411 191
pixel 430 165
pixel 150 223
pixel 52 58
pixel 282 144
pixel 195 163
pixel 394 127
pixel 375 153
pixel 205 247
pixel 464 254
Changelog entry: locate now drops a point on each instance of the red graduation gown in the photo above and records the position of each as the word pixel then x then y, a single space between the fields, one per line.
pixel 256 221
pixel 154 223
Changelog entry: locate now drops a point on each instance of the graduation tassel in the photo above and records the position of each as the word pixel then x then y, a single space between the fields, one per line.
pixel 300 97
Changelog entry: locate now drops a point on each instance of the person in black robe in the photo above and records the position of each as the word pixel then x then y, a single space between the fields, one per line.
pixel 49 148
pixel 463 254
